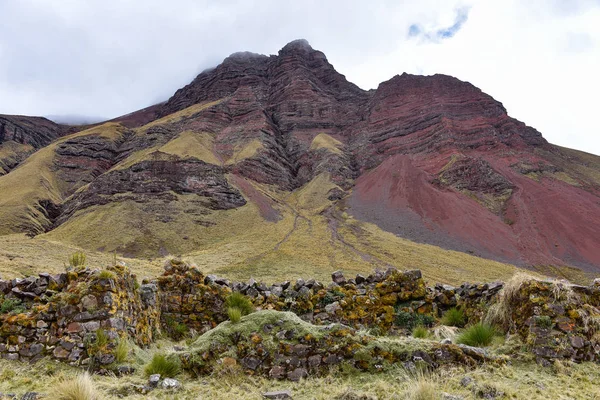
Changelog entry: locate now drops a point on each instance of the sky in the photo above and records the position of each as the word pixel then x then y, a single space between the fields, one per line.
pixel 103 58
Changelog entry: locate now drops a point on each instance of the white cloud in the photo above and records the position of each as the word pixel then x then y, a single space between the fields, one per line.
pixel 106 58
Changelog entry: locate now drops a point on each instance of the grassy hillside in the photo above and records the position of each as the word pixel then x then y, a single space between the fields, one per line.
pixel 312 238
pixel 36 180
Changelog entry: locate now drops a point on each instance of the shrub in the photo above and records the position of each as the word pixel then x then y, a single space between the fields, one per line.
pixel 13 306
pixel 80 388
pixel 180 330
pixel 167 367
pixel 454 317
pixel 239 301
pixel 77 259
pixel 544 321
pixel 420 332
pixel 121 351
pixel 479 335
pixel 411 320
pixel 235 314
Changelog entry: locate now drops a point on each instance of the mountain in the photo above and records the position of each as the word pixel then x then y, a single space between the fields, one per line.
pixel 277 163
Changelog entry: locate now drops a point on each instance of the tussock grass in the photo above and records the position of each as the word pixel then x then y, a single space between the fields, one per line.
pixel 420 332
pixel 166 366
pixel 82 387
pixel 444 332
pixel 241 302
pixel 478 335
pixel 77 259
pixel 122 351
pixel 500 312
pixel 454 317
pixel 234 314
pixel 423 385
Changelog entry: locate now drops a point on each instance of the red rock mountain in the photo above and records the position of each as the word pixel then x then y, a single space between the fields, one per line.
pixel 428 158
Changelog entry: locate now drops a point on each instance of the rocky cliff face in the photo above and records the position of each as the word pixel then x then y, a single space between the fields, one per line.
pixel 20 136
pixel 429 158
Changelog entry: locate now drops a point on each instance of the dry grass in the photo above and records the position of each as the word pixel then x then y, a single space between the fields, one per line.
pixel 36 179
pixel 500 313
pixel 239 243
pixel 246 150
pixel 324 141
pixel 82 387
pixel 22 256
pixel 190 144
pixel 440 332
pixel 518 381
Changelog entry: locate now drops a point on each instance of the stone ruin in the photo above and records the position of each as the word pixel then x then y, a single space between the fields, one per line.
pixel 79 316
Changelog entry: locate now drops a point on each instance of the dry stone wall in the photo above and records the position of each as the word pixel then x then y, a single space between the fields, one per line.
pixel 79 316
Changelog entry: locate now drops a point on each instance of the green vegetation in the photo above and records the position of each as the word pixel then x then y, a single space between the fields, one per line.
pixel 77 259
pixel 105 274
pixel 410 320
pixel 121 351
pixel 544 321
pixel 13 306
pixel 166 366
pixel 420 332
pixel 454 317
pixel 234 314
pixel 239 301
pixel 478 335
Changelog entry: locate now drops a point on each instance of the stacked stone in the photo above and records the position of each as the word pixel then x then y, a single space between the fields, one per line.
pixel 64 314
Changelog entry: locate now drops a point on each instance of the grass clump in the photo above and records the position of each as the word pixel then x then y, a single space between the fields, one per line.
pixel 167 367
pixel 478 335
pixel 121 351
pixel 105 274
pixel 234 314
pixel 422 387
pixel 80 388
pixel 500 313
pixel 239 301
pixel 454 317
pixel 420 332
pixel 77 259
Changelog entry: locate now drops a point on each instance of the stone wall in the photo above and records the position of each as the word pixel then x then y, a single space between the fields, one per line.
pixel 62 315
pixel 65 313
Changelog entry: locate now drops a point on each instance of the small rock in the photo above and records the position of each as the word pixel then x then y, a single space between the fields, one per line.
pixel 125 370
pixel 170 383
pixel 338 277
pixel 446 341
pixel 280 394
pixel 448 396
pixel 466 381
pixel 153 380
pixel 297 374
pixel 277 372
pixel 31 396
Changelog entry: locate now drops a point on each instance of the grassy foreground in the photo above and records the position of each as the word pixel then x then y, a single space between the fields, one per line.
pixel 523 380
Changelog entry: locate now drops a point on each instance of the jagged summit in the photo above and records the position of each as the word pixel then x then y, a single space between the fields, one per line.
pixel 284 144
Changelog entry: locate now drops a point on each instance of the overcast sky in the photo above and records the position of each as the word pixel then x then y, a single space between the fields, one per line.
pixel 105 58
